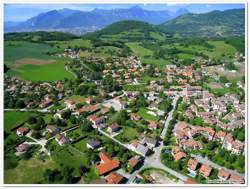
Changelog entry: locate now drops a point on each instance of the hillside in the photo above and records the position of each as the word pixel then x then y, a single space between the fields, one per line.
pixel 212 24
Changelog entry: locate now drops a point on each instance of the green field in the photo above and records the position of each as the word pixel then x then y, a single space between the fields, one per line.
pixel 47 72
pixel 143 113
pixel 59 46
pixel 77 98
pixel 146 55
pixel 220 48
pixel 28 172
pixel 128 133
pixel 12 119
pixel 17 50
pixel 157 36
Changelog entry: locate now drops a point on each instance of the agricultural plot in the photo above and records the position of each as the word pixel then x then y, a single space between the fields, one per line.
pixel 18 50
pixel 33 174
pixel 12 119
pixel 146 55
pixel 48 72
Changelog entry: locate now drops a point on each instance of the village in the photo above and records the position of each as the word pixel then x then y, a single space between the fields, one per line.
pixel 170 122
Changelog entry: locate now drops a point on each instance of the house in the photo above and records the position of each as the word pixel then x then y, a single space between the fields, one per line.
pixel 70 104
pixel 190 144
pixel 134 162
pixel 153 125
pixel 61 139
pixel 93 144
pixel 237 147
pixel 237 179
pixel 192 165
pixel 21 131
pixel 150 142
pixel 179 155
pixel 190 181
pixel 139 148
pixel 205 170
pixel 99 181
pixel 46 103
pixel 53 129
pixel 107 164
pixel 220 135
pixel 96 120
pixel 223 175
pixel 22 148
pixel 89 100
pixel 135 117
pixel 115 178
pixel 114 127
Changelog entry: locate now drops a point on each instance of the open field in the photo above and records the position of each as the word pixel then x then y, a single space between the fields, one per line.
pixel 48 72
pixel 28 172
pixel 31 61
pixel 12 119
pixel 220 48
pixel 19 50
pixel 77 98
pixel 143 113
pixel 146 55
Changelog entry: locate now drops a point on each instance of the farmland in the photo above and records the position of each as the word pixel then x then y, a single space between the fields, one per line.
pixel 48 72
pixel 12 119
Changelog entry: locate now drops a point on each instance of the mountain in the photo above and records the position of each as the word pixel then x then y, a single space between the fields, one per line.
pixel 70 20
pixel 212 24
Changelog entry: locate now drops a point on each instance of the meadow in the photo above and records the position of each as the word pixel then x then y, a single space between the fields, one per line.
pixel 13 118
pixel 47 72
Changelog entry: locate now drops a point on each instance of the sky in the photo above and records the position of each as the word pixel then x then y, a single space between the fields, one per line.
pixel 22 12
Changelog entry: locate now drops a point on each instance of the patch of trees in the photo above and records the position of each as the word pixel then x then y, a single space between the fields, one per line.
pixel 109 84
pixel 39 36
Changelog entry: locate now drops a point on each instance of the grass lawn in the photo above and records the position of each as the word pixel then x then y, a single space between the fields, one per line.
pixel 185 56
pixel 48 72
pixel 127 134
pixel 28 172
pixel 12 119
pixel 67 156
pixel 18 50
pixel 143 113
pixel 77 98
pixel 139 87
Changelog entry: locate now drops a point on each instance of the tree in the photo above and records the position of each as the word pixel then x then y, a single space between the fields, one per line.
pixel 86 126
pixel 32 120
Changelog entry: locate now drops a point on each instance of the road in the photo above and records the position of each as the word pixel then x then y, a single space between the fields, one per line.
pixel 68 70
pixel 170 114
pixel 208 162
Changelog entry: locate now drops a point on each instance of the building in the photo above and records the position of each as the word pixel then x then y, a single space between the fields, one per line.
pixel 52 129
pixel 21 131
pixel 134 163
pixel 107 164
pixel 115 178
pixel 93 144
pixel 150 142
pixel 22 148
pixel 192 165
pixel 205 170
pixel 114 127
pixel 223 175
pixel 61 139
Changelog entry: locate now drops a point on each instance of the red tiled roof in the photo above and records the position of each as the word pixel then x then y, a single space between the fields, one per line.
pixel 108 164
pixel 205 170
pixel 114 178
